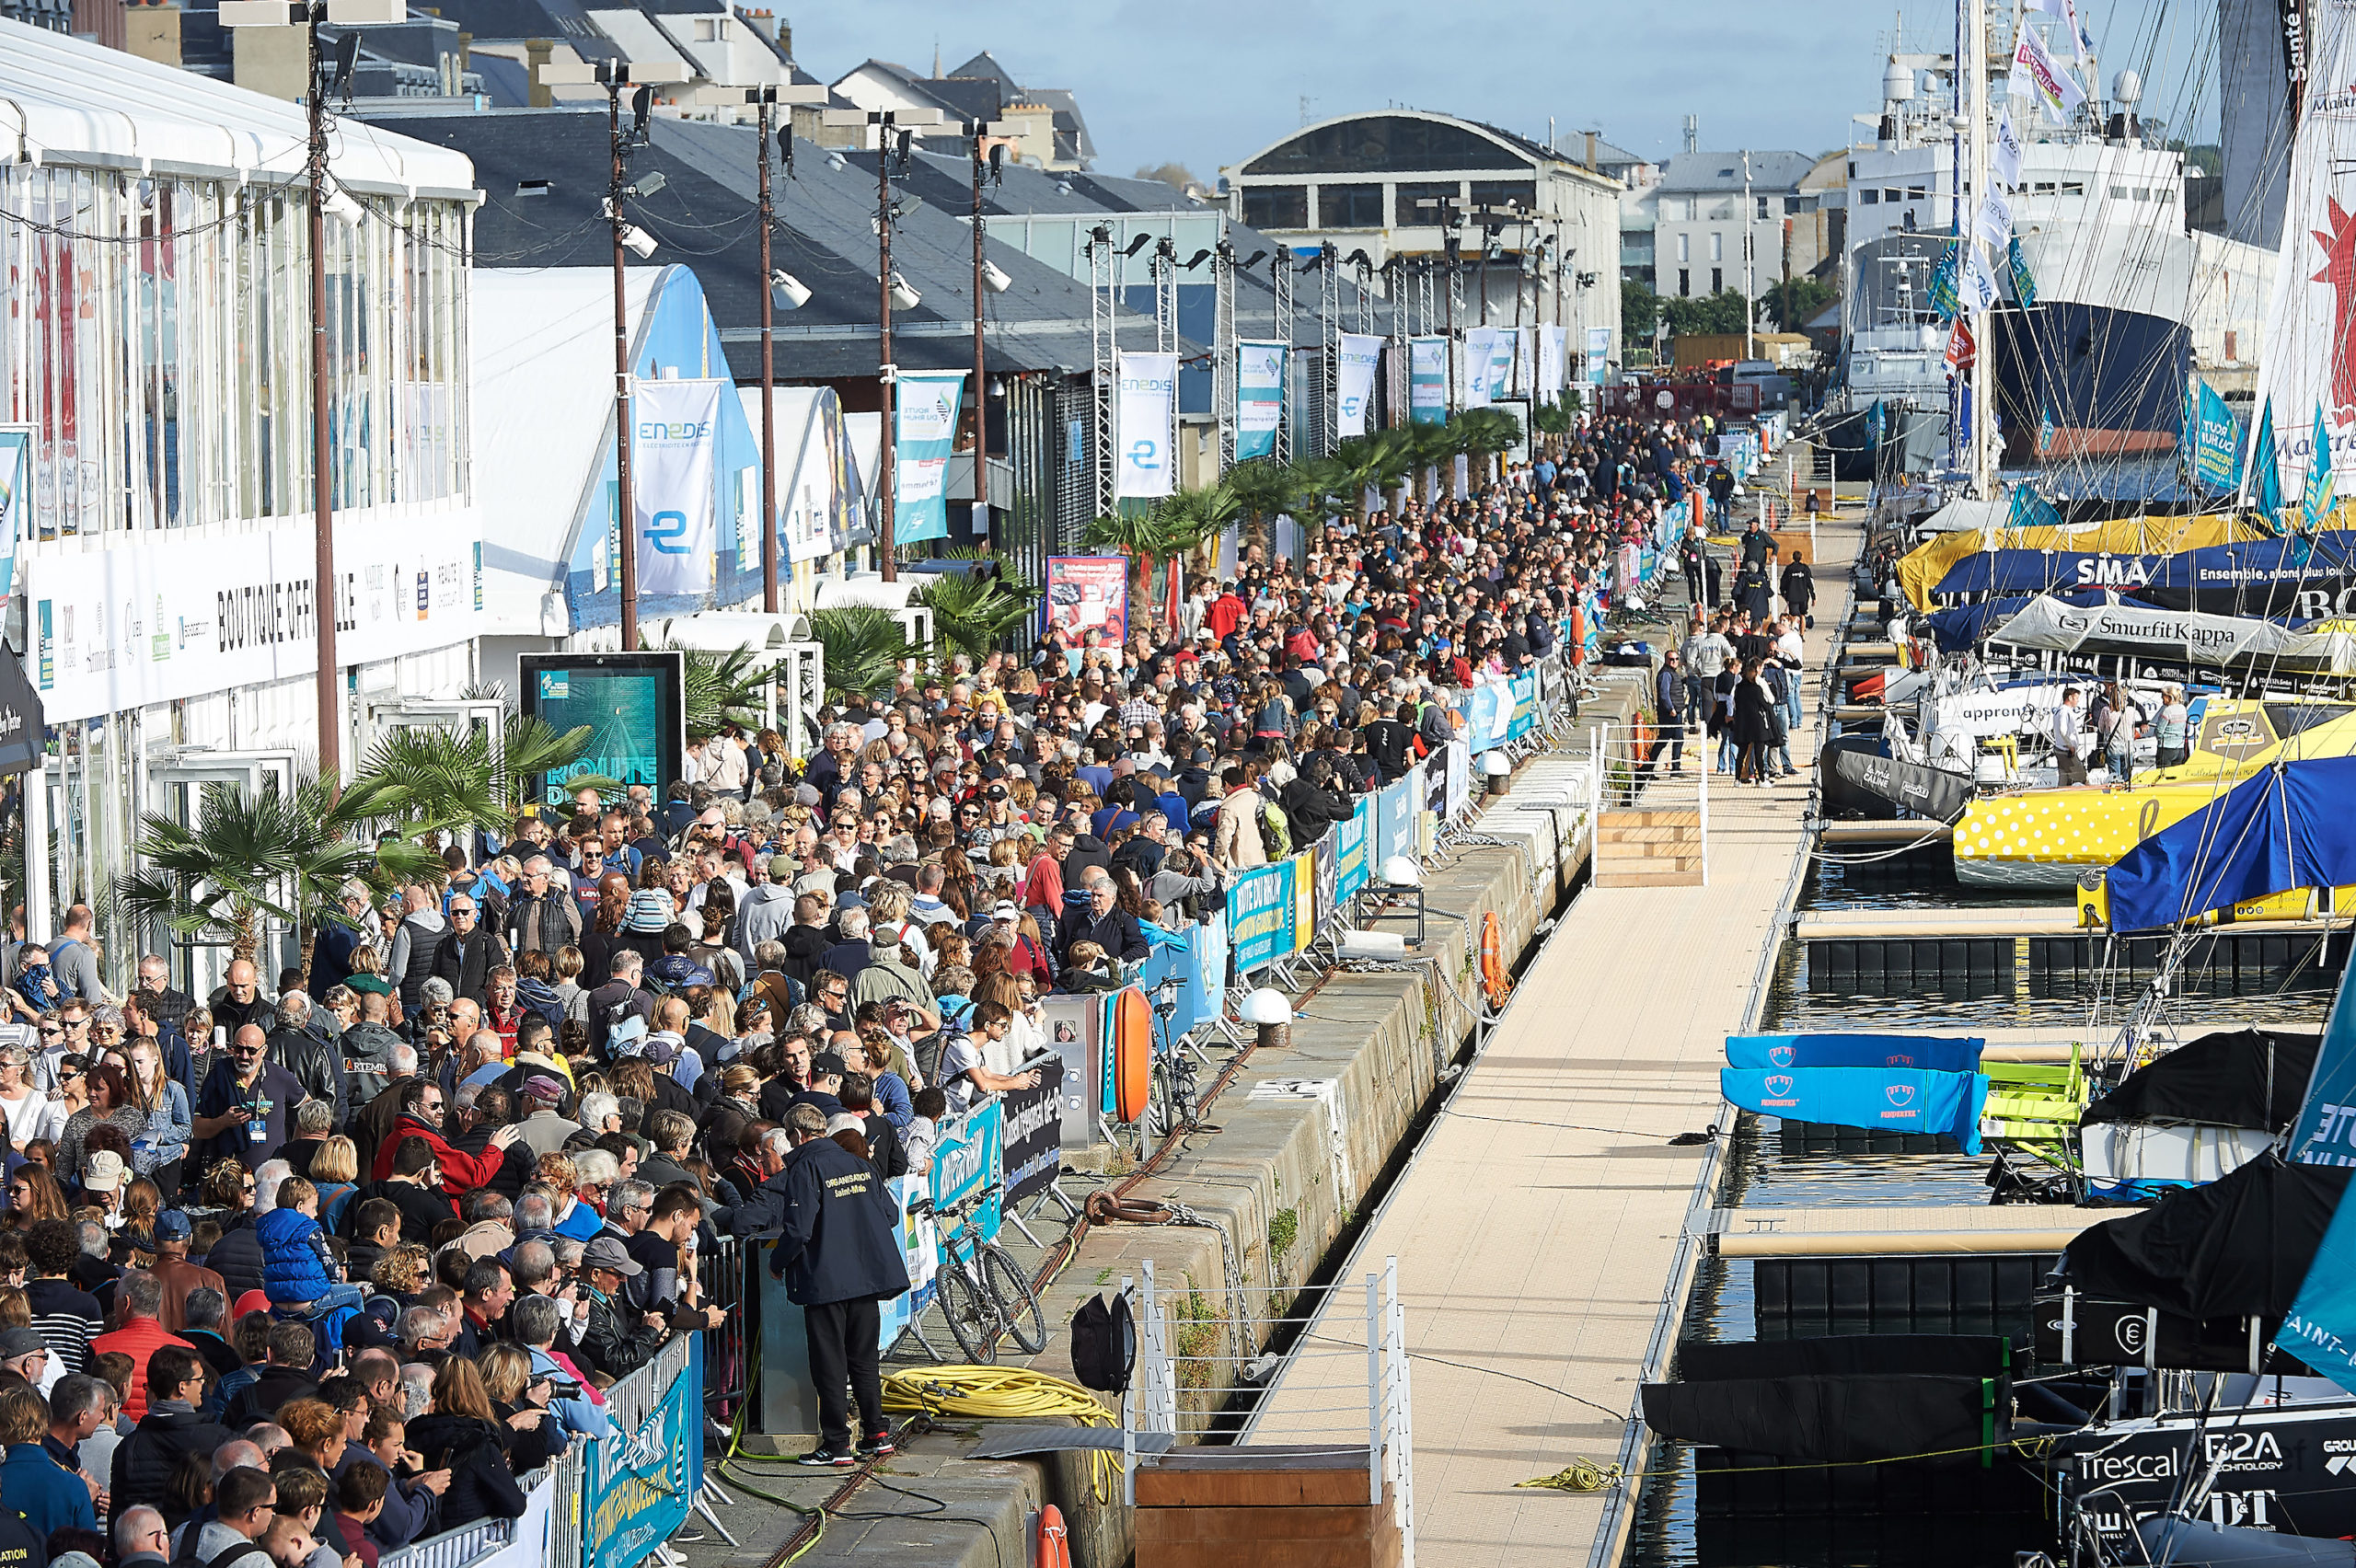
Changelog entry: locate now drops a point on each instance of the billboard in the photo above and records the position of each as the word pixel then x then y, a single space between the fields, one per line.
pixel 633 705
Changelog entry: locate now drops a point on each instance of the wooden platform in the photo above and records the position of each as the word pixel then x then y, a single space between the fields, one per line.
pixel 1883 834
pixel 1277 1506
pixel 1894 1229
pixel 1540 1225
pixel 1649 848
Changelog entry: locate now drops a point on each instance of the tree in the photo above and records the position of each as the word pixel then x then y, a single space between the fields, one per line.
pixel 1262 488
pixel 1719 313
pixel 973 612
pixel 256 855
pixel 459 778
pixel 865 646
pixel 1639 311
pixel 1792 301
pixel 1174 175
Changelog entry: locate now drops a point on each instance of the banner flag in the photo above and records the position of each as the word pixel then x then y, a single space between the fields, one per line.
pixel 2266 466
pixel 1598 353
pixel 1553 356
pixel 1480 356
pixel 2024 282
pixel 1980 291
pixel 1146 425
pixel 1994 228
pixel 1946 287
pixel 2037 74
pixel 2212 439
pixel 1353 382
pixel 1501 372
pixel 2007 156
pixel 925 432
pixel 2045 429
pixel 2315 499
pixel 675 455
pixel 1961 349
pixel 1427 380
pixel 1259 397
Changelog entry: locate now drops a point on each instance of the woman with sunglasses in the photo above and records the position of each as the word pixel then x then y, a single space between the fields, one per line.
pixel 33 1196
pixel 69 1096
pixel 21 1104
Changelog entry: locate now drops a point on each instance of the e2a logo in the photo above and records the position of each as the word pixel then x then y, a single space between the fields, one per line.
pixel 668 532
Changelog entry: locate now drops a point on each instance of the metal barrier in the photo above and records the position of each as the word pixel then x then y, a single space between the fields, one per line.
pixel 570 1477
pixel 726 1276
pixel 454 1548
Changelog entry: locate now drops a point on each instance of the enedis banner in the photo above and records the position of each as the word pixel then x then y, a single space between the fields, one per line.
pixel 674 455
pixel 1147 417
pixel 1353 382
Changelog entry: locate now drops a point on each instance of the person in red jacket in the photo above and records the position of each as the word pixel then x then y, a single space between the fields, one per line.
pixel 421 1118
pixel 140 1299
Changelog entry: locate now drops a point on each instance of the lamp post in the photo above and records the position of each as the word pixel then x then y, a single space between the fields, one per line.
pixel 614 75
pixel 774 286
pixel 327 604
pixel 990 163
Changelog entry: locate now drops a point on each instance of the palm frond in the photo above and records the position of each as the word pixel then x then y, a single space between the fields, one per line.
pixel 865 647
pixel 972 613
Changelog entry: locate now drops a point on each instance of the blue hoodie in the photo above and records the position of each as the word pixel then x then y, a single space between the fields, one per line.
pixel 296 1262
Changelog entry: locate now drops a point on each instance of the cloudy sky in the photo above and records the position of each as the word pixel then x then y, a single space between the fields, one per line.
pixel 1209 82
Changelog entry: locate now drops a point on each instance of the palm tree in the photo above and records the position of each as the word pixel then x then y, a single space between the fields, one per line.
pixel 865 646
pixel 1489 432
pixel 1193 519
pixel 1138 534
pixel 973 613
pixel 1262 488
pixel 255 855
pixel 452 777
pixel 718 689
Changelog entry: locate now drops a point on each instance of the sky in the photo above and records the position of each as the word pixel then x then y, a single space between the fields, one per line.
pixel 1208 83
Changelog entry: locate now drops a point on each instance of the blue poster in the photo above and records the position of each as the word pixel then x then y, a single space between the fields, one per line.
pixel 923 435
pixel 2213 440
pixel 1207 941
pixel 1394 820
pixel 1260 915
pixel 629 1510
pixel 1523 718
pixel 1876 1098
pixel 1259 397
pixel 970 1153
pixel 1353 839
pixel 1427 380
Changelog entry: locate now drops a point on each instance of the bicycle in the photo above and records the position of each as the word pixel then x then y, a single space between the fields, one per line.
pixel 983 1292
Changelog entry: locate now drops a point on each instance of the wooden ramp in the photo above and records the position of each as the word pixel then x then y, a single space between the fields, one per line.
pixel 1649 849
pixel 1540 1226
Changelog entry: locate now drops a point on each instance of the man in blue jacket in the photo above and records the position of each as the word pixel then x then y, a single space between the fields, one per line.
pixel 840 1256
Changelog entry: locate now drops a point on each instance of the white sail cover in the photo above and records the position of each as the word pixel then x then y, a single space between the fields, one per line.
pixel 2188 1154
pixel 2309 358
pixel 2138 630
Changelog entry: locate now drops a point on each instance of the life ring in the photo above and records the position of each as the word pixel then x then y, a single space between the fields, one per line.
pixel 1493 961
pixel 1055 1540
pixel 1132 1055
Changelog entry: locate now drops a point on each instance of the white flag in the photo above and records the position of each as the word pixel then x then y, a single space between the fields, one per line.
pixel 674 453
pixel 1354 382
pixel 2036 74
pixel 1146 425
pixel 1979 283
pixel 1996 225
pixel 2008 158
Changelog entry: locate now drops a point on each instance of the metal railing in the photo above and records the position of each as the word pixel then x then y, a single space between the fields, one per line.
pixel 728 1349
pixel 454 1548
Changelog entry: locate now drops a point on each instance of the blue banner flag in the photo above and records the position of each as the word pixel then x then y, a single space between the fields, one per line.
pixel 1878 1100
pixel 2045 429
pixel 924 434
pixel 1427 380
pixel 1259 397
pixel 2213 440
pixel 2315 498
pixel 2268 479
pixel 1774 1053
pixel 1876 423
pixel 1946 282
pixel 2024 285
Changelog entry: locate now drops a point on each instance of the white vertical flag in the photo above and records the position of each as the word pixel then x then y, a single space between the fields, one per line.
pixel 1996 222
pixel 2007 161
pixel 1145 440
pixel 1353 382
pixel 1980 292
pixel 2036 74
pixel 674 455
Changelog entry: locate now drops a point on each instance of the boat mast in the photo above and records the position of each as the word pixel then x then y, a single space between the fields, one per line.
pixel 1974 74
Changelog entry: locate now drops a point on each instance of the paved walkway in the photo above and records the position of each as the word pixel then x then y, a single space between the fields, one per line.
pixel 1537 1228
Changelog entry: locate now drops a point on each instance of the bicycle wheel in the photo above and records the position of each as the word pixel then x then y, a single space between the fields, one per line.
pixel 1018 1304
pixel 973 1321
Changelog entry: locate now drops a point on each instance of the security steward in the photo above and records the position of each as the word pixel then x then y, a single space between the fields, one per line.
pixel 839 1258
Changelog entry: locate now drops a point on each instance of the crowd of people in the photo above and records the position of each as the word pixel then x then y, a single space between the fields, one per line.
pixel 312 1269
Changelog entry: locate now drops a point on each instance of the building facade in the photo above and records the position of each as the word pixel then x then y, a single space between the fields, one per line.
pixel 1708 203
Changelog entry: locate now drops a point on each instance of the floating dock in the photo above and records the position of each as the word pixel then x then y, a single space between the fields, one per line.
pixel 2044 952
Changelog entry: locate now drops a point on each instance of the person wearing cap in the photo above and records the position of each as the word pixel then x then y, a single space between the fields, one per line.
pixel 840 1256
pixel 545 1128
pixel 615 1341
pixel 175 1274
pixel 25 1352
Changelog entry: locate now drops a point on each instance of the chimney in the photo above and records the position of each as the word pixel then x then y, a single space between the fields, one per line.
pixel 785 38
pixel 466 50
pixel 1590 152
pixel 153 33
pixel 536 52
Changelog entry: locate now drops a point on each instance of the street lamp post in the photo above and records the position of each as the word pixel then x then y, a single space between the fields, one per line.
pixel 990 163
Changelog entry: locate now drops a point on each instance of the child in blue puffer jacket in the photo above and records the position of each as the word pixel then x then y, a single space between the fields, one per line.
pixel 297 1268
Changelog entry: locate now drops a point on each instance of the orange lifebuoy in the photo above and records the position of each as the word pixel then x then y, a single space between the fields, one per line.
pixel 1132 1055
pixel 1055 1540
pixel 1492 961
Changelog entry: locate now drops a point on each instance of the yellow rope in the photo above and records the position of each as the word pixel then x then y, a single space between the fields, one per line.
pixel 1579 1475
pixel 1004 1393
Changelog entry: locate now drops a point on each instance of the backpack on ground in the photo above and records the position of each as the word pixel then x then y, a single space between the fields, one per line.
pixel 1103 1343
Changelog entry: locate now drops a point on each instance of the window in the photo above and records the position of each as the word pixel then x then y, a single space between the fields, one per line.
pixel 1684 284
pixel 1275 206
pixel 1791 204
pixel 1718 247
pixel 2119 193
pixel 1685 247
pixel 2073 188
pixel 1762 201
pixel 1349 206
pixel 1500 192
pixel 1725 174
pixel 2043 188
pixel 1410 194
pixel 1915 192
pixel 1385 144
pixel 1718 279
pixel 1868 197
pixel 1893 196
pixel 2232 345
pixel 2142 193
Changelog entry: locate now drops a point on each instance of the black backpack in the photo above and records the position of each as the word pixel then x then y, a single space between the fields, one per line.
pixel 1103 1343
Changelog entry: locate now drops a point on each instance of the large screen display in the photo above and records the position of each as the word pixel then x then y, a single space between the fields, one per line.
pixel 631 703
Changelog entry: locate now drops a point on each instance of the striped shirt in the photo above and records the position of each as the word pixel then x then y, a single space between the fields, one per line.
pixel 65 1318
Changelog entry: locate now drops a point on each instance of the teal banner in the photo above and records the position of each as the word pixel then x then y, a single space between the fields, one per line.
pixel 2213 440
pixel 1395 831
pixel 1353 843
pixel 1427 380
pixel 923 435
pixel 968 1154
pixel 1262 913
pixel 642 1484
pixel 1259 397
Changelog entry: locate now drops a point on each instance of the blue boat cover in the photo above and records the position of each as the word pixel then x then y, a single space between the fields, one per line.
pixel 2047 571
pixel 2286 827
pixel 1876 1098
pixel 1937 1054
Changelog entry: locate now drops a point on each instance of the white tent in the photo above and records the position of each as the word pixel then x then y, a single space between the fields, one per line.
pixel 2139 630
